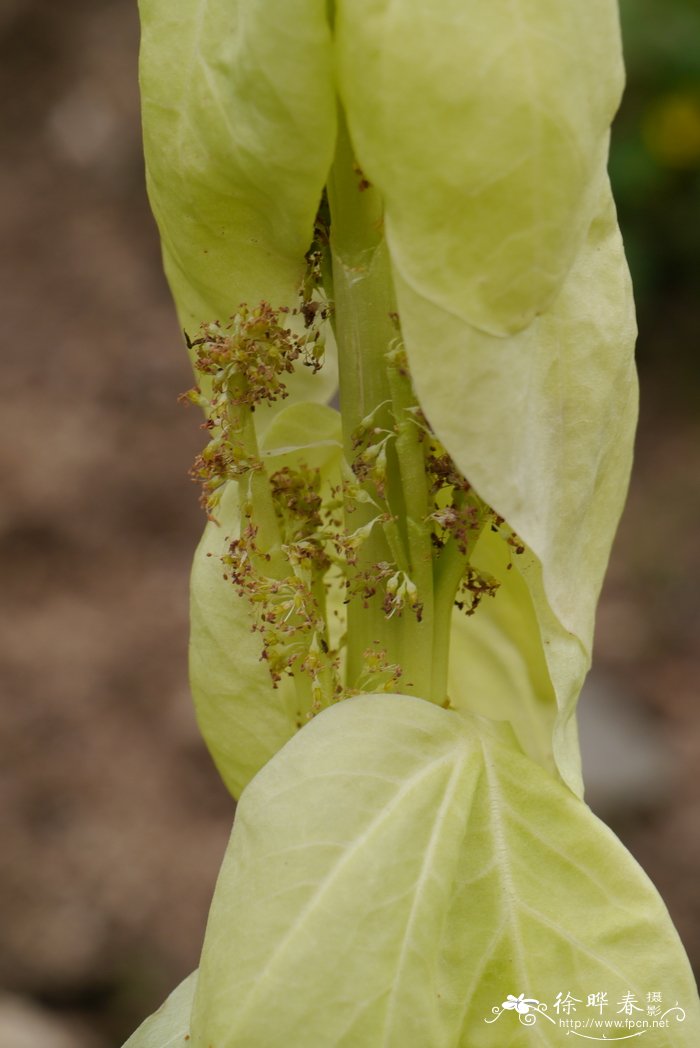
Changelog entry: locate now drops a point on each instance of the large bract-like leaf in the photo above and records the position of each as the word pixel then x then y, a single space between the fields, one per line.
pixel 497 663
pixel 485 127
pixel 542 424
pixel 239 126
pixel 169 1027
pixel 243 719
pixel 397 871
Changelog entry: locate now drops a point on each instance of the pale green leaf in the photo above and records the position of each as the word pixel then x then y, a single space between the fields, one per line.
pixel 542 424
pixel 396 871
pixel 239 127
pixel 485 127
pixel 244 720
pixel 497 663
pixel 169 1027
pixel 308 433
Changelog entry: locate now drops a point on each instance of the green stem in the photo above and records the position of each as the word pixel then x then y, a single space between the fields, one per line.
pixel 254 488
pixel 449 570
pixel 303 696
pixel 411 457
pixel 365 332
pixel 328 673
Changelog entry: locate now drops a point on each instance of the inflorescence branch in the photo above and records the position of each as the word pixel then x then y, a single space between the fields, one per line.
pixel 295 558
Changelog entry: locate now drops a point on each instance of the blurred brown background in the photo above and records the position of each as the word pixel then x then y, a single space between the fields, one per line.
pixel 113 821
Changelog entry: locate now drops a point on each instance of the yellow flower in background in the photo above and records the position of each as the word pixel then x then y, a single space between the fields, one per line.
pixel 671 130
